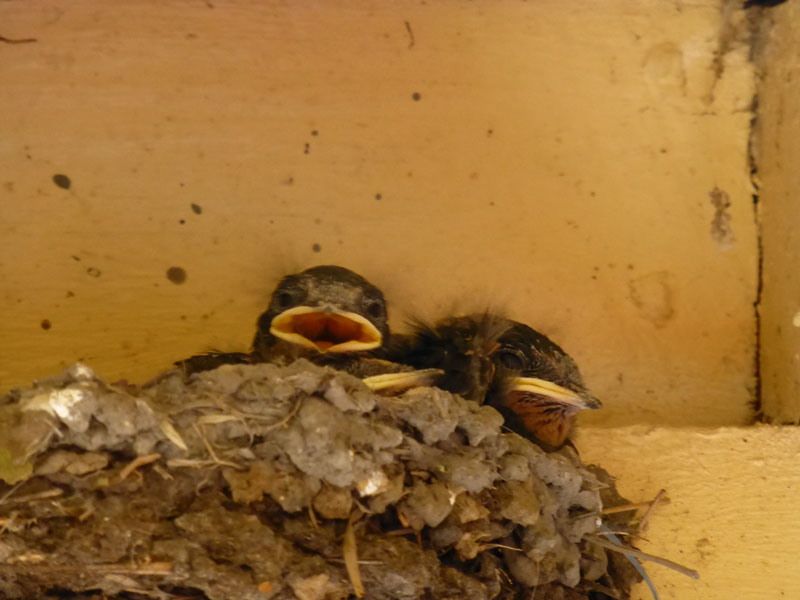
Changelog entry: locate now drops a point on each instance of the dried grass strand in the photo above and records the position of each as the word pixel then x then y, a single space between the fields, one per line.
pixel 656 500
pixel 13 490
pixel 51 493
pixel 136 463
pixel 210 449
pixel 644 556
pixel 626 507
pixel 153 568
pixel 351 555
pixel 287 418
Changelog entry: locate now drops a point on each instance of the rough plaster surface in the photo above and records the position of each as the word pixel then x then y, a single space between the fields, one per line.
pixel 777 146
pixel 733 512
pixel 582 165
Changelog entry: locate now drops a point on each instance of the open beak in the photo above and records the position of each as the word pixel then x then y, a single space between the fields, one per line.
pixel 542 387
pixel 326 331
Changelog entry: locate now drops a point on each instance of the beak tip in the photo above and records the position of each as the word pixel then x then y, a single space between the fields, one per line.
pixel 593 403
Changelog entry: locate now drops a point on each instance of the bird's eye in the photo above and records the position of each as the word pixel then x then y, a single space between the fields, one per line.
pixel 375 309
pixel 511 360
pixel 285 299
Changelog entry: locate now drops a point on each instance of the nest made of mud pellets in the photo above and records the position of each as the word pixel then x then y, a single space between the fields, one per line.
pixel 260 481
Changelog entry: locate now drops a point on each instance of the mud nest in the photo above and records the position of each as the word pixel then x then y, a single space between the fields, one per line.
pixel 259 481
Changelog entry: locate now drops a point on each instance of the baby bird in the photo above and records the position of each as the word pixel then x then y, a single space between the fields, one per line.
pixel 321 312
pixel 528 378
pixel 326 314
pixel 462 347
pixel 537 386
pixel 329 315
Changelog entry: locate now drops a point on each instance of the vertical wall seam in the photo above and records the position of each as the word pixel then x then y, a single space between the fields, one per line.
pixel 757 21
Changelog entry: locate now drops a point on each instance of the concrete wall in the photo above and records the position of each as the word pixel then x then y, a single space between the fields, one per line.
pixel 777 143
pixel 582 166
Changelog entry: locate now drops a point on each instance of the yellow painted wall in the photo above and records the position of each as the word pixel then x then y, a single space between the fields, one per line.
pixel 583 165
pixel 777 143
pixel 733 511
pixel 560 160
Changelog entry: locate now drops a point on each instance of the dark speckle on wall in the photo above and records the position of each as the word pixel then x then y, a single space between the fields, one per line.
pixel 378 196
pixel 721 231
pixel 316 248
pixel 70 294
pixel 766 3
pixel 306 148
pixel 315 132
pixel 176 275
pixel 416 96
pixel 62 181
pixel 182 221
pixel 45 324
pixel 76 258
pixel 94 272
pixel 197 209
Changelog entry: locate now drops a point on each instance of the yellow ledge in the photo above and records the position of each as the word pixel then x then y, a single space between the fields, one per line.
pixel 734 513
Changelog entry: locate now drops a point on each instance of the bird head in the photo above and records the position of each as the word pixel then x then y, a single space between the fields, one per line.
pixel 540 383
pixel 327 309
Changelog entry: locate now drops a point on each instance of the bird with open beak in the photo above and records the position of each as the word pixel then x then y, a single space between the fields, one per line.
pixel 331 316
pixel 528 378
pixel 322 313
pixel 325 314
